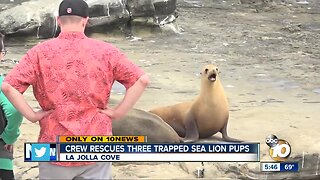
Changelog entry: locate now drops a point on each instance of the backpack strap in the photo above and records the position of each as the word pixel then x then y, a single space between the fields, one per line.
pixel 3 120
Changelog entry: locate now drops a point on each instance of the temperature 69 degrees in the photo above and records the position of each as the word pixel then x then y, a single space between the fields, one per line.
pixel 279 166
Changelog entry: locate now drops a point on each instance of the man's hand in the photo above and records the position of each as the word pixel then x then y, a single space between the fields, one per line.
pixel 9 147
pixel 131 97
pixel 112 113
pixel 39 115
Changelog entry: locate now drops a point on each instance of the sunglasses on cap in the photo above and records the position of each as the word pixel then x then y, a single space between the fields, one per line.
pixel 4 52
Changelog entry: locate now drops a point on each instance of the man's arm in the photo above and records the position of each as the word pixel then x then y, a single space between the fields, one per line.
pixel 18 101
pixel 131 97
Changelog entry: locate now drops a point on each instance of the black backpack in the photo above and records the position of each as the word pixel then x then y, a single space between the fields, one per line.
pixel 3 120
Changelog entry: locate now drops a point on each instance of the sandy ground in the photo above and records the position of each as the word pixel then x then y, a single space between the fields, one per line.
pixel 269 64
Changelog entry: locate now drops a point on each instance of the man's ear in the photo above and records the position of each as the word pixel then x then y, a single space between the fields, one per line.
pixel 58 20
pixel 85 22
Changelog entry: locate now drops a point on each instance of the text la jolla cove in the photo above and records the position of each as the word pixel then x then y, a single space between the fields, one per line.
pixel 92 157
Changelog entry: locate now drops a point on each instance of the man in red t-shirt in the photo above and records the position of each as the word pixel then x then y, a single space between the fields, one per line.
pixel 72 76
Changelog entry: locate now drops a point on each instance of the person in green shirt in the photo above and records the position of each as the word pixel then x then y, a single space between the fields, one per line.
pixel 10 121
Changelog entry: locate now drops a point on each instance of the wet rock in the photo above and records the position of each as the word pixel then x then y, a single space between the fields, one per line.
pixel 164 8
pixel 292 28
pixel 33 17
pixel 141 8
pixel 47 27
pixel 252 2
pixel 38 17
pixel 162 12
pixel 107 12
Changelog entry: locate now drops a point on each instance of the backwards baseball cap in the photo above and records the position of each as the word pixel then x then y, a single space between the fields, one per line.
pixel 74 7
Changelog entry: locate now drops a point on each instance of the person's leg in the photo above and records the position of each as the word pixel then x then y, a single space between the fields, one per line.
pixel 99 170
pixel 6 174
pixel 51 171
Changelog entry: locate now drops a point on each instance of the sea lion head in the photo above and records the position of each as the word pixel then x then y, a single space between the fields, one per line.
pixel 210 72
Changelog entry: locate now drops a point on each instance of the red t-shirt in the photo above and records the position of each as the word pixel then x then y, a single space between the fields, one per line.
pixel 73 75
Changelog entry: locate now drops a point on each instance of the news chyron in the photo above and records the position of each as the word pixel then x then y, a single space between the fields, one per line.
pixel 136 148
pixel 45 152
pixel 279 152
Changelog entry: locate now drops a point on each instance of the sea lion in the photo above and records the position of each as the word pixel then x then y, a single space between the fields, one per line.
pixel 138 122
pixel 203 117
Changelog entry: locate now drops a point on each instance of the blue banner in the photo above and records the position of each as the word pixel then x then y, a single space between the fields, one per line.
pixel 158 148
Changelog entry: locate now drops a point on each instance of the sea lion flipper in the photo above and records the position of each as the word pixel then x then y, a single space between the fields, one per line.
pixel 225 135
pixel 192 133
pixel 230 139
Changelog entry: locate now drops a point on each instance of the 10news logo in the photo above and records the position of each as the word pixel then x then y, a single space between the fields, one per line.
pixel 279 149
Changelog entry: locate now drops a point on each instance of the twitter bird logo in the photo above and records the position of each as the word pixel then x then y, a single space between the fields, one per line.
pixel 40 152
pixel 43 152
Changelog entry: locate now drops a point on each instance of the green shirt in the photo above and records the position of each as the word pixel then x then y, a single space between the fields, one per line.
pixel 11 132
